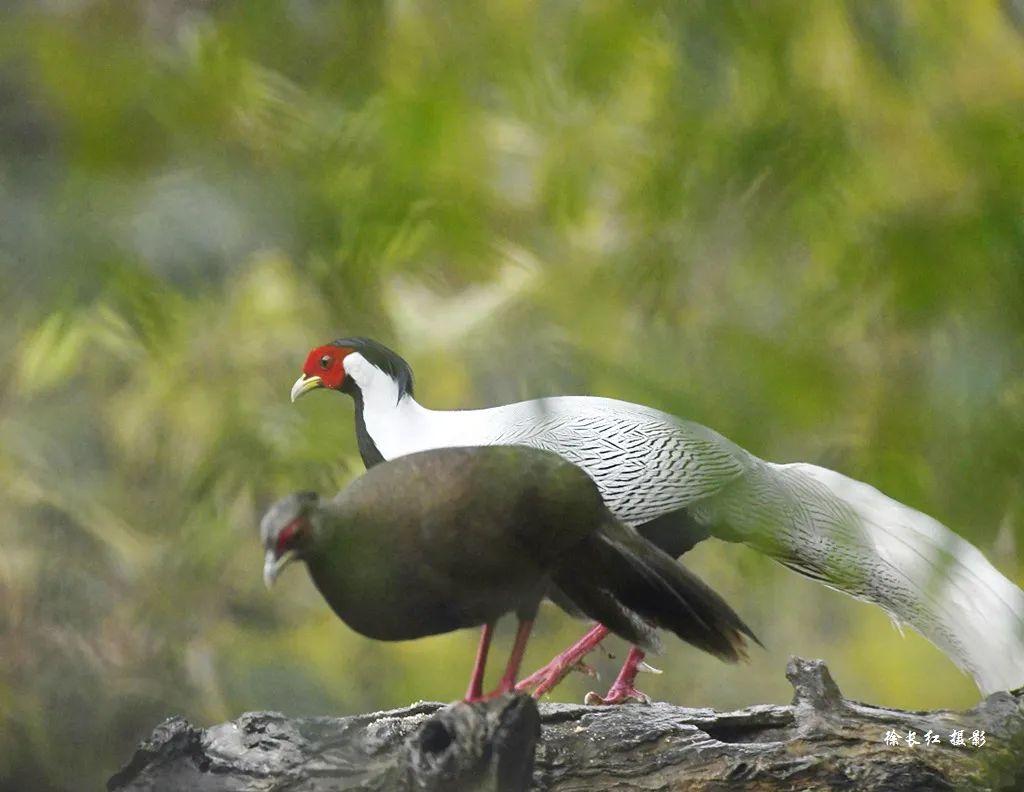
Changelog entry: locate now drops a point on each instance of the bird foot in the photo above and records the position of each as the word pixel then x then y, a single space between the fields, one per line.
pixel 541 682
pixel 618 694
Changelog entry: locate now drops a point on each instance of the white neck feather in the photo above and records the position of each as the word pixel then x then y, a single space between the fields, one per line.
pixel 400 426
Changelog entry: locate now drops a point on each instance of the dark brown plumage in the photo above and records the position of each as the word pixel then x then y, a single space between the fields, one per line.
pixel 458 537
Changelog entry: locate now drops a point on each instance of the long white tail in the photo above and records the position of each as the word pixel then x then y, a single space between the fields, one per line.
pixel 853 538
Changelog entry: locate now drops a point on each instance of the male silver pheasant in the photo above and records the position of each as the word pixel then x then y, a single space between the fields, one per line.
pixel 678 482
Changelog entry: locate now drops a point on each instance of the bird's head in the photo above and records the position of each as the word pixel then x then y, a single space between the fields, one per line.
pixel 288 530
pixel 352 363
pixel 324 368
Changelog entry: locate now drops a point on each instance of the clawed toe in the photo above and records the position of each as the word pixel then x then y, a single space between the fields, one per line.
pixel 618 694
pixel 543 681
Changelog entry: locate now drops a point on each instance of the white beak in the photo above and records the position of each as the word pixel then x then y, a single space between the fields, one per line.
pixel 305 384
pixel 272 566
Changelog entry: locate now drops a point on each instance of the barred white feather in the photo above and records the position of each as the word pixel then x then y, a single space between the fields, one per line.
pixel 841 532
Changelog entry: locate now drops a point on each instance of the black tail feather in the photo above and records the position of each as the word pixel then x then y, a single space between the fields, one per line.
pixel 603 606
pixel 622 580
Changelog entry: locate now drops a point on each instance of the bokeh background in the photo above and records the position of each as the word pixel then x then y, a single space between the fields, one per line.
pixel 798 223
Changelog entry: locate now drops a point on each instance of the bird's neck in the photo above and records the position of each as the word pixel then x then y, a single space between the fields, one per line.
pixel 390 425
pixel 333 544
pixel 385 419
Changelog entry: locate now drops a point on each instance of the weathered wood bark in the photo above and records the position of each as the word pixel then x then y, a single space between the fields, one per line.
pixel 820 741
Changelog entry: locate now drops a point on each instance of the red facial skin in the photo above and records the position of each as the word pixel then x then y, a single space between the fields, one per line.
pixel 289 534
pixel 327 363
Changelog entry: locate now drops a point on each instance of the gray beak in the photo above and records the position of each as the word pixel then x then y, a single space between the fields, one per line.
pixel 305 384
pixel 272 566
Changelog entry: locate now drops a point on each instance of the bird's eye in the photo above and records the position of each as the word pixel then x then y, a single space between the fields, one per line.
pixel 325 362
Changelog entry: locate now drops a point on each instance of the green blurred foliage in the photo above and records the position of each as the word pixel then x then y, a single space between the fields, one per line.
pixel 799 223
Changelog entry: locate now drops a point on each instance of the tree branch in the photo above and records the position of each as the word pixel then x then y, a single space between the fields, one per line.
pixel 820 741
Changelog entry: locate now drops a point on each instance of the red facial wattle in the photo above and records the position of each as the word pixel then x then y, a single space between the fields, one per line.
pixel 287 536
pixel 327 363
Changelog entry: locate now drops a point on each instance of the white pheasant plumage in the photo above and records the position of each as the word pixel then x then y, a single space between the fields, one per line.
pixel 650 465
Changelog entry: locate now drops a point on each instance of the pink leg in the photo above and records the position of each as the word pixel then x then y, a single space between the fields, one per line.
pixel 622 688
pixel 515 658
pixel 476 680
pixel 555 671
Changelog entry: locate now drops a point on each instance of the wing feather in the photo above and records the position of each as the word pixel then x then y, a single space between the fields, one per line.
pixel 841 532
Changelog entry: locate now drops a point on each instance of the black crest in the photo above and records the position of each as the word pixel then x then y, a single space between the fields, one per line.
pixel 388 361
